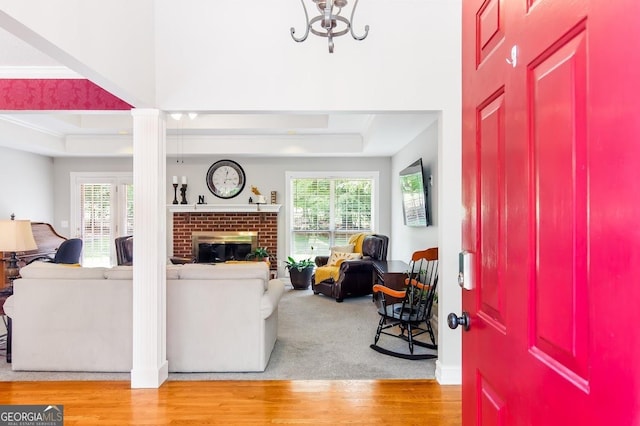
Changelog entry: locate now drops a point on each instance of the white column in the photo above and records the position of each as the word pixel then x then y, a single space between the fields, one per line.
pixel 150 367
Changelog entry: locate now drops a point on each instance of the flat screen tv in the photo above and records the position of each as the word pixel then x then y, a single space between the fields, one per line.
pixel 415 198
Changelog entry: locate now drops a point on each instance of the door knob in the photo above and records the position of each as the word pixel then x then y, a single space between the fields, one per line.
pixel 454 321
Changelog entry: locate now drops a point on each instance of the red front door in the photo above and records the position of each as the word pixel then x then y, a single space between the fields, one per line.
pixel 551 189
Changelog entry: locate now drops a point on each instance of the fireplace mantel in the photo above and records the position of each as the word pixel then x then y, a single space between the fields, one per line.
pixel 224 208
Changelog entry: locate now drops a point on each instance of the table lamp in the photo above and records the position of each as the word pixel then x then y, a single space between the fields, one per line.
pixel 15 236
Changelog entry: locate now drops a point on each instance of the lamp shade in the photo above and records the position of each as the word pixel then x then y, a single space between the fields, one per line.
pixel 16 235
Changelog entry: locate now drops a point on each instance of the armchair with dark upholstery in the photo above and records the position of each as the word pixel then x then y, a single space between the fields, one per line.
pixel 124 250
pixel 355 277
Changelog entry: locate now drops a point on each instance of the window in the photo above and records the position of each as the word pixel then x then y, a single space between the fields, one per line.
pixel 326 209
pixel 102 207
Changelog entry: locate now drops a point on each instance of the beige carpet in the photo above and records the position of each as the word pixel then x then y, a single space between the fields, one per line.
pixel 317 339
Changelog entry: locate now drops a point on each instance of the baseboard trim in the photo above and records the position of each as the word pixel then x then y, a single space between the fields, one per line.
pixel 448 375
pixel 149 378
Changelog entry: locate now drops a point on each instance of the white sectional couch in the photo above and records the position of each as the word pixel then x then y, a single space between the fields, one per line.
pixel 220 318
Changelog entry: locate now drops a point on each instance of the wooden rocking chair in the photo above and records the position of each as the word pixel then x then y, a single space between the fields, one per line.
pixel 411 317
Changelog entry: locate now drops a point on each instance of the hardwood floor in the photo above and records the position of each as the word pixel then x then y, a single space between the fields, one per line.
pixel 374 402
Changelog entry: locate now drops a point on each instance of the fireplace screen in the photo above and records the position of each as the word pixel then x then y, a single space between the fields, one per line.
pixel 212 253
pixel 214 247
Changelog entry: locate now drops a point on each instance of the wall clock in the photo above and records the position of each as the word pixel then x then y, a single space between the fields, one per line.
pixel 225 179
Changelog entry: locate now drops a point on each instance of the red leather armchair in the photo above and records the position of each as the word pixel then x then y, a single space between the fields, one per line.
pixel 356 277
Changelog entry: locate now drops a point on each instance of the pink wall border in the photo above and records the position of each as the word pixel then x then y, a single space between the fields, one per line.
pixel 56 94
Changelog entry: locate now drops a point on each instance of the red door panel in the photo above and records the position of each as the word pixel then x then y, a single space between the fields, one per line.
pixel 491 152
pixel 558 150
pixel 490 21
pixel 551 155
pixel 492 405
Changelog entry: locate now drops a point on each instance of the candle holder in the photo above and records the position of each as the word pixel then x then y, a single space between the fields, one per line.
pixel 175 193
pixel 183 193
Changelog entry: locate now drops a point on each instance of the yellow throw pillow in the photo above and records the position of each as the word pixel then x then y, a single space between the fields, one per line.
pixel 345 249
pixel 337 256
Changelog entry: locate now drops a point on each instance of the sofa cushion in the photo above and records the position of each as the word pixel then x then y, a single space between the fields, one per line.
pixel 122 272
pixel 344 249
pixel 332 272
pixel 8 306
pixel 223 271
pixel 60 271
pixel 337 257
pixel 125 272
pixel 173 272
pixel 336 254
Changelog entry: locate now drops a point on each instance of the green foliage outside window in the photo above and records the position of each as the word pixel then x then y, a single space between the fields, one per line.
pixel 327 211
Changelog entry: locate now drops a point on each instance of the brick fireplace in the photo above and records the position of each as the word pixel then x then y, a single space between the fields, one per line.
pixel 265 224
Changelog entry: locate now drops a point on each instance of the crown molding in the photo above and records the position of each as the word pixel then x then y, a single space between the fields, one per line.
pixel 30 126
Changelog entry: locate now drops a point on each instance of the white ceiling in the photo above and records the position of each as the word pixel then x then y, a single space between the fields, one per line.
pixel 276 134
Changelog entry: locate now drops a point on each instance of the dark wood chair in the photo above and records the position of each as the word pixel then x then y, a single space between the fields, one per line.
pixel 411 317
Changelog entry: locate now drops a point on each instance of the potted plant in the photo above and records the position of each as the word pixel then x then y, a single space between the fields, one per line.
pixel 300 272
pixel 258 254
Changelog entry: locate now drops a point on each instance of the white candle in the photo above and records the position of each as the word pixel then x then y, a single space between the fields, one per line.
pixel 175 179
pixel 184 180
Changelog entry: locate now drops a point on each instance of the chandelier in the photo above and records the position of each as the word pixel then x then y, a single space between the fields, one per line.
pixel 329 23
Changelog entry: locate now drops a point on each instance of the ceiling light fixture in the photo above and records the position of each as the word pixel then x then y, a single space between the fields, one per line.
pixel 178 115
pixel 179 133
pixel 330 23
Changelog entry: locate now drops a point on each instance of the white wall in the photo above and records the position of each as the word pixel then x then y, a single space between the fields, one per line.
pixel 267 174
pixel 62 167
pixel 239 56
pixel 27 189
pixel 407 239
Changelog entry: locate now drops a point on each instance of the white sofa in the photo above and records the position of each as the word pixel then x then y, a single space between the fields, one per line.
pixel 220 318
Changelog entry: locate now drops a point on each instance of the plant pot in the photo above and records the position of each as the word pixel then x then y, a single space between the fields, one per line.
pixel 301 279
